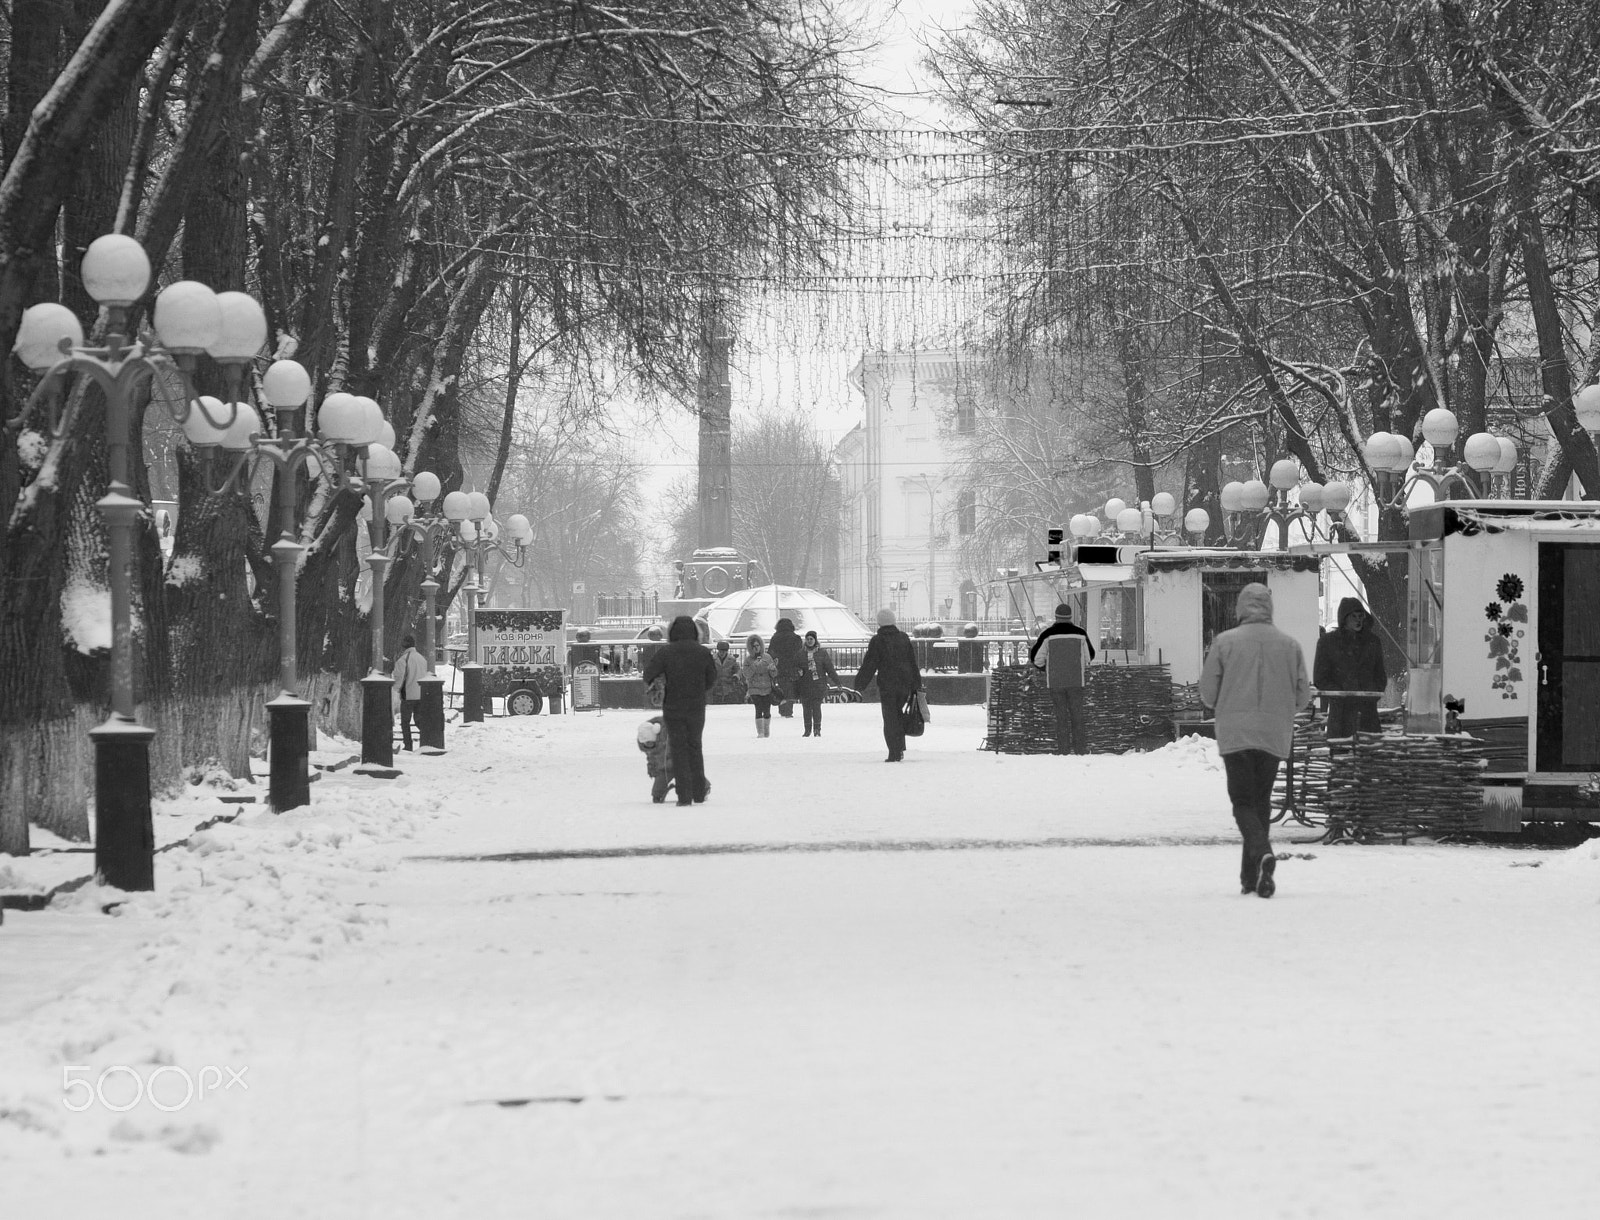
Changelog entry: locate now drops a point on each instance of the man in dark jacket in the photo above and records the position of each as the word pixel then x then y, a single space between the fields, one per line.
pixel 893 661
pixel 789 655
pixel 1350 658
pixel 1072 736
pixel 690 672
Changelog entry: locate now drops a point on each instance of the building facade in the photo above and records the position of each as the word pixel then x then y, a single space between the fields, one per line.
pixel 903 513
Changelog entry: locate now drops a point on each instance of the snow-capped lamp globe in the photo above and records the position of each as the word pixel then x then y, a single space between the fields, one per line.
pixel 399 510
pixel 1310 497
pixel 1163 504
pixel 425 486
pixel 1130 521
pixel 1232 496
pixel 478 506
pixel 1254 496
pixel 457 507
pixel 1586 403
pixel 1113 508
pixel 1197 521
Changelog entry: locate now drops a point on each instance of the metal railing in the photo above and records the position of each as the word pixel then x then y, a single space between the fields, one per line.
pixel 625 606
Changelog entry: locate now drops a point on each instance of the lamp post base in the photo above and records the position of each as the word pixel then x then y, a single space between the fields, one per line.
pixel 430 714
pixel 472 693
pixel 124 834
pixel 289 780
pixel 377 721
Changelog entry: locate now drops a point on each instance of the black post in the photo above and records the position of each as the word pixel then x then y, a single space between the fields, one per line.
pixel 472 693
pixel 124 835
pixel 288 780
pixel 430 713
pixel 377 721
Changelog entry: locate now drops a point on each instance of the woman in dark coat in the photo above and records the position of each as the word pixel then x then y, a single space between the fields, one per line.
pixel 891 659
pixel 690 674
pixel 789 654
pixel 817 675
pixel 1350 658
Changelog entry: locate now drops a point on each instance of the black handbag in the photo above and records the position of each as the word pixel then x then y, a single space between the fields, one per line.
pixel 911 717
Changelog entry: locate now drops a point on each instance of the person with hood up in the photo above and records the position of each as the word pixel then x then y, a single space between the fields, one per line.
pixel 1072 737
pixel 1350 658
pixel 690 673
pixel 1255 679
pixel 760 676
pixel 789 654
pixel 891 658
pixel 817 674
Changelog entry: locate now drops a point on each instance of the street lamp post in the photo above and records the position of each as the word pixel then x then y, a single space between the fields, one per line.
pixel 383 476
pixel 1392 458
pixel 479 533
pixel 432 532
pixel 189 319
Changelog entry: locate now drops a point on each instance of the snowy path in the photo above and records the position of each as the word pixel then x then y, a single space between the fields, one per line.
pixel 963 986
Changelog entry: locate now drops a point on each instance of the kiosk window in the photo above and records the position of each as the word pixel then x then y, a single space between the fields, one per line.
pixel 1219 592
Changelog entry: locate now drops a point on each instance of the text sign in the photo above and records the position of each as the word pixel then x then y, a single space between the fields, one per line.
pixel 520 638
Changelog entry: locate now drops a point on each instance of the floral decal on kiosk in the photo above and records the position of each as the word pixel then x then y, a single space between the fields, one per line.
pixel 1508 618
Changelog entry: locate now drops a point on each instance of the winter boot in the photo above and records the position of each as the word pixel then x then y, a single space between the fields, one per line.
pixel 764 727
pixel 1266 887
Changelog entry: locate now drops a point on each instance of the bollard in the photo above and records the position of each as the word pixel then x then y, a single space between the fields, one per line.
pixel 430 713
pixel 289 748
pixel 472 693
pixel 377 720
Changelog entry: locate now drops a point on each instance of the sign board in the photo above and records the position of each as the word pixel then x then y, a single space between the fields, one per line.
pixel 521 639
pixel 585 686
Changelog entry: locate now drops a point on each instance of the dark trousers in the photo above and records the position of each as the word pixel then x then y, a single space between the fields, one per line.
pixel 1250 776
pixel 763 706
pixel 1346 716
pixel 894 732
pixel 408 710
pixel 811 713
pixel 1071 736
pixel 684 730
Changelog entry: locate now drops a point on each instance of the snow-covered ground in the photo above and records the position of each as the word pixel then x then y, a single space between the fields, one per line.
pixel 506 984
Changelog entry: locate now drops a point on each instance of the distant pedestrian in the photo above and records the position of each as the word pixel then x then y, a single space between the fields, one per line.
pixel 789 654
pixel 690 674
pixel 817 676
pixel 410 668
pixel 727 688
pixel 893 661
pixel 760 677
pixel 1351 658
pixel 1066 687
pixel 1255 678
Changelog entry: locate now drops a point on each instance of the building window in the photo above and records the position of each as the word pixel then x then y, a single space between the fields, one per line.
pixel 967 512
pixel 966 418
pixel 1219 591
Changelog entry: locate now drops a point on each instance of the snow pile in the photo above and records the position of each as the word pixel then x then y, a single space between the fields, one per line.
pixel 266 894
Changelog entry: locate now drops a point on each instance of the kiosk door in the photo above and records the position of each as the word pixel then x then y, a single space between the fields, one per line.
pixel 1568 729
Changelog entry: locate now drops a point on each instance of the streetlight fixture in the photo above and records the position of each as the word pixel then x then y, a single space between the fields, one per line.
pixel 384 478
pixel 435 532
pixel 189 318
pixel 1484 456
pixel 479 534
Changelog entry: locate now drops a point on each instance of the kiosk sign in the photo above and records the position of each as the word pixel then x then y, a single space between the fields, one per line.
pixel 520 639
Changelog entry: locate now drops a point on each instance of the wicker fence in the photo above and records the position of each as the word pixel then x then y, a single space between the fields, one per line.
pixel 1126 707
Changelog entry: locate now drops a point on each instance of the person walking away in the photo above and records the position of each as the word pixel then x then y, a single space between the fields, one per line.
pixel 789 654
pixel 760 679
pixel 690 673
pixel 727 688
pixel 1350 658
pixel 1065 685
pixel 893 661
pixel 409 670
pixel 817 675
pixel 1255 678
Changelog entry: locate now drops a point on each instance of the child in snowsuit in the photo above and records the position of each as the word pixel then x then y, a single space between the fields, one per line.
pixel 657 749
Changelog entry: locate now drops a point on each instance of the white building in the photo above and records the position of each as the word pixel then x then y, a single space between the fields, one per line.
pixel 903 513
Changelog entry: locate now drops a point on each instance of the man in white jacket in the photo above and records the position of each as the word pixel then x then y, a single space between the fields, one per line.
pixel 409 670
pixel 1255 677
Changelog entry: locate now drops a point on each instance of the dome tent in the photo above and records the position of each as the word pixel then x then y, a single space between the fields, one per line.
pixel 757 611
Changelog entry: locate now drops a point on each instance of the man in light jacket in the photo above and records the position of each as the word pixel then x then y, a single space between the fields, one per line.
pixel 1255 678
pixel 409 670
